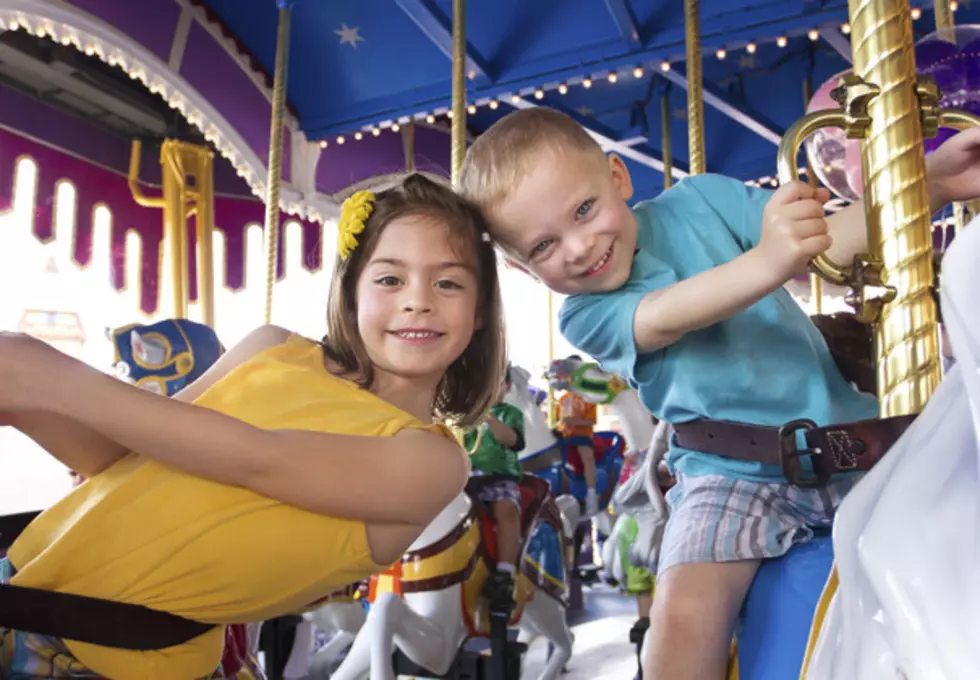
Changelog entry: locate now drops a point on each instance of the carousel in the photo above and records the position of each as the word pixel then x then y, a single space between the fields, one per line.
pixel 171 177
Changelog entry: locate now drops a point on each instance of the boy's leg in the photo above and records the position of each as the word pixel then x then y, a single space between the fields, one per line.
pixel 508 518
pixel 692 619
pixel 719 530
pixel 504 501
pixel 587 455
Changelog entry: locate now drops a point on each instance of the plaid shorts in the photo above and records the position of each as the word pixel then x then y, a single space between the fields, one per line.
pixel 500 490
pixel 714 518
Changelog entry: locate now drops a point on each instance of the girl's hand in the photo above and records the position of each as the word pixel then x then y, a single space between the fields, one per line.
pixel 953 171
pixel 28 369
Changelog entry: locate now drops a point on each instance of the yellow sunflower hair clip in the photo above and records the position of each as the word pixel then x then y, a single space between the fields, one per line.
pixel 355 212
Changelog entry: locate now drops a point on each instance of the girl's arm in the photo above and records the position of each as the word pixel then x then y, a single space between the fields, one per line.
pixel 406 479
pixel 88 451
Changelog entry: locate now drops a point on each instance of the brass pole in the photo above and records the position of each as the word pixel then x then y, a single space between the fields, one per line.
pixel 897 205
pixel 458 137
pixel 816 283
pixel 408 146
pixel 552 420
pixel 205 233
pixel 275 157
pixel 174 229
pixel 667 152
pixel 944 17
pixel 695 101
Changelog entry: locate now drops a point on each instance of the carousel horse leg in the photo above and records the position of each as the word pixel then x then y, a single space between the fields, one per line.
pixel 390 623
pixel 320 666
pixel 277 638
pixel 545 616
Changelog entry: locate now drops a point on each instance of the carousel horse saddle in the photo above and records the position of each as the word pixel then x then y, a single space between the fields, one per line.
pixel 776 616
pixel 534 492
pixel 87 619
pixel 603 443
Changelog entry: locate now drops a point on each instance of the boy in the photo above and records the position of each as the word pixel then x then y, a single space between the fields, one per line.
pixel 684 296
pixel 576 423
pixel 493 448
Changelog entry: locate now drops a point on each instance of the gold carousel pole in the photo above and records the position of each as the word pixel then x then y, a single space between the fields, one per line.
pixel 275 156
pixel 897 205
pixel 408 146
pixel 204 204
pixel 459 87
pixel 695 102
pixel 667 152
pixel 944 17
pixel 816 283
pixel 944 25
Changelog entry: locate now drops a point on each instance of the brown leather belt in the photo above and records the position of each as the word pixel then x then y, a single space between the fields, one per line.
pixel 848 447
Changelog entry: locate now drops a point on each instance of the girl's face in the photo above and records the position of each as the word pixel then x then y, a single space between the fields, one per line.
pixel 416 300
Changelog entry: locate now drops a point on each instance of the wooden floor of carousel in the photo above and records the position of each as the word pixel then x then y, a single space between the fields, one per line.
pixel 602 650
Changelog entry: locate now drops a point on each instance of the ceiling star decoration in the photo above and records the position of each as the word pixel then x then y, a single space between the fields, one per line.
pixel 680 114
pixel 585 111
pixel 349 36
pixel 746 61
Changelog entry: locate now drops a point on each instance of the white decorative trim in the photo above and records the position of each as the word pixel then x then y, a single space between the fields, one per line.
pixel 74 27
pixel 303 159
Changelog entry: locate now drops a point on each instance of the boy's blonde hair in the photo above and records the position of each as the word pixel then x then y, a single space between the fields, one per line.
pixel 499 158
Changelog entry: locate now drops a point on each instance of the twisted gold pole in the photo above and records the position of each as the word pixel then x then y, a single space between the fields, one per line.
pixel 944 16
pixel 695 100
pixel 275 159
pixel 816 283
pixel 665 139
pixel 204 175
pixel 897 205
pixel 458 137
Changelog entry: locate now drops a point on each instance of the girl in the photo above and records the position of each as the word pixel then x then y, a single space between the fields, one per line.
pixel 327 458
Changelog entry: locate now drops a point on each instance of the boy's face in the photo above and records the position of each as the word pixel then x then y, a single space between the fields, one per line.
pixel 567 222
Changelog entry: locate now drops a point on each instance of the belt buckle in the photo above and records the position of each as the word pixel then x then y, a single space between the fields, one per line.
pixel 789 456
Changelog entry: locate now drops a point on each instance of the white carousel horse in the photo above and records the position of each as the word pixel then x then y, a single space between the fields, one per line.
pixel 642 498
pixel 344 614
pixel 431 601
pixel 906 538
pixel 597 386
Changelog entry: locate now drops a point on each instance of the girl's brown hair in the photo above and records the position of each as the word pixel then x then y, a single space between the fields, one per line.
pixel 470 384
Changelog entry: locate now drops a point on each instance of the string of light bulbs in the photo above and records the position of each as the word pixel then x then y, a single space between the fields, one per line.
pixel 586 82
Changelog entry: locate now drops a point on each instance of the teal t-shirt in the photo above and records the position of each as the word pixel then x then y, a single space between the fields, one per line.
pixel 487 455
pixel 766 365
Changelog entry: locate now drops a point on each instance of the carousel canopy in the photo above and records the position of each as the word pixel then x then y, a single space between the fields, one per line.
pixel 358 67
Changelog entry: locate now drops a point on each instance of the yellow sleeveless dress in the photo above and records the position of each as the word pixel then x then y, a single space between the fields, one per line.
pixel 145 533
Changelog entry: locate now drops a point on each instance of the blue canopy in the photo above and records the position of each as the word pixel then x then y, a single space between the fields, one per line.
pixel 354 66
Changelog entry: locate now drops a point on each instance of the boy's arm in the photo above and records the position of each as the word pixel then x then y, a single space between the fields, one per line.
pixel 952 174
pixel 794 230
pixel 664 316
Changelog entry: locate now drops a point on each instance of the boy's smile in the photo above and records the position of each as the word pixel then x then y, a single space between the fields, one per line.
pixel 567 223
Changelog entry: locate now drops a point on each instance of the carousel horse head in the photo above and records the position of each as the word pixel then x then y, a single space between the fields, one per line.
pixel 538 437
pixel 166 356
pixel 587 380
